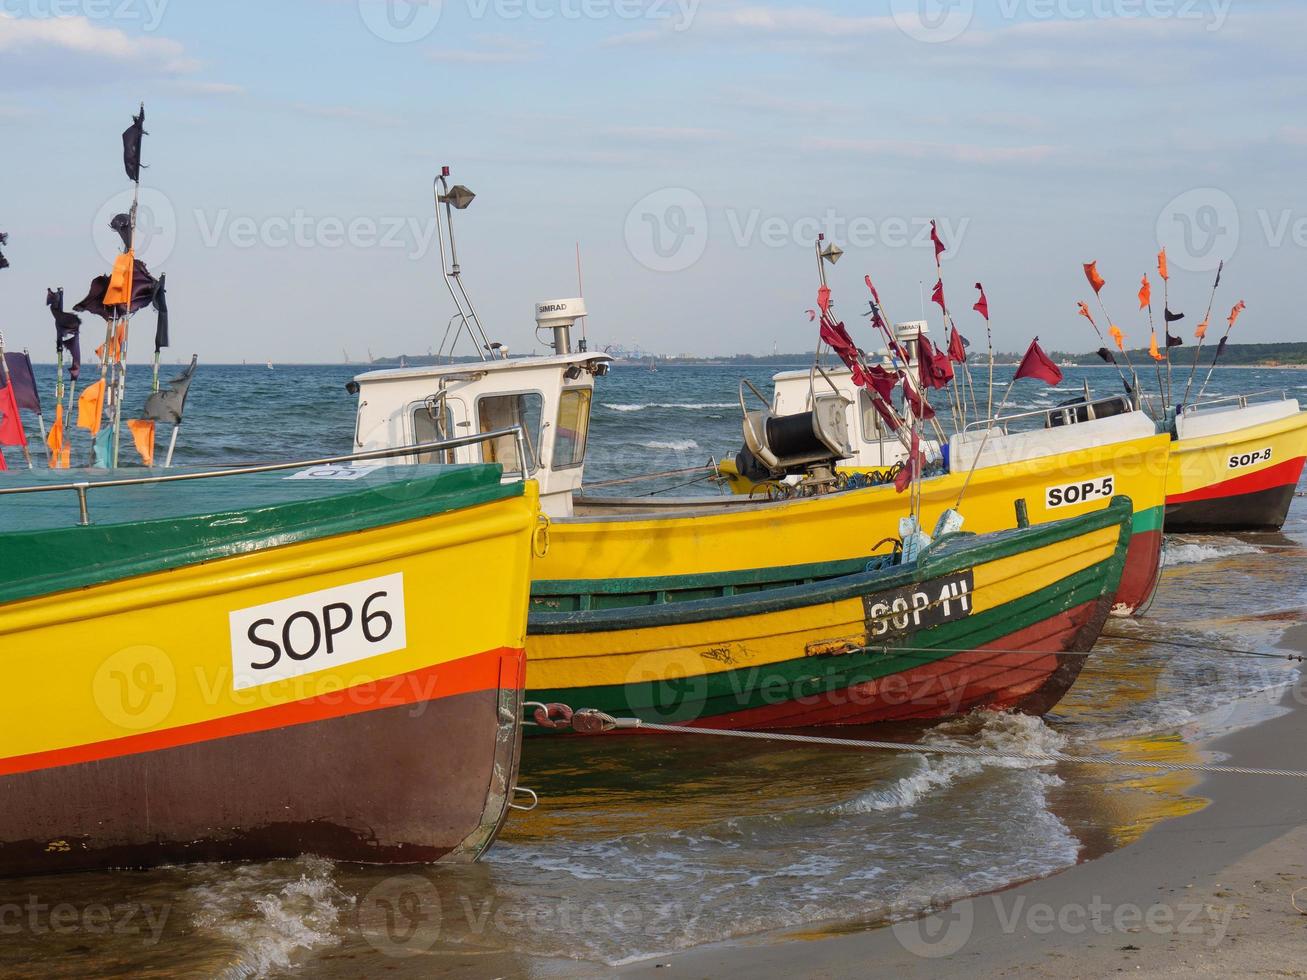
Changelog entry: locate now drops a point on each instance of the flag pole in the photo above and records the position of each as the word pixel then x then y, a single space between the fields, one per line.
pixel 975 463
pixel 13 400
pixel 1193 371
pixel 121 387
pixel 1166 315
pixel 1152 327
pixel 40 419
pixel 172 445
pixel 1124 353
pixel 1234 316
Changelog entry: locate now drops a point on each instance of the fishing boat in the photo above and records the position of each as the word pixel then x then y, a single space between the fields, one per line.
pixel 623 560
pixel 1235 463
pixel 998 621
pixel 1063 461
pixel 322 657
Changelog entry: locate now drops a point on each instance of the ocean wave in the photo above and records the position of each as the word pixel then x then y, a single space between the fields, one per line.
pixel 1192 552
pixel 676 445
pixel 688 406
pixel 1007 734
pixel 270 912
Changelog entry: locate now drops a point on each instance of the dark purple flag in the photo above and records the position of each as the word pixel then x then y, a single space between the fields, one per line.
pixel 23 380
pixel 132 146
pixel 67 330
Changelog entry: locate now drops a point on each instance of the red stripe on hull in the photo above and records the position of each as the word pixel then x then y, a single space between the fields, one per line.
pixel 1286 474
pixel 1143 570
pixel 479 672
pixel 1031 680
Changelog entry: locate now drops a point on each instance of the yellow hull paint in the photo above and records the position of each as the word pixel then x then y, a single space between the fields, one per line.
pixel 664 653
pixel 154 653
pixel 839 526
pixel 1197 464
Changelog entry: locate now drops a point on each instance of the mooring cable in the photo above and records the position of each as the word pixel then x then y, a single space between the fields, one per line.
pixel 606 723
pixel 1205 647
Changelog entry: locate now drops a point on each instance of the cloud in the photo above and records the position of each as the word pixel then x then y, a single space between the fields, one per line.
pixel 346 113
pixel 70 50
pixel 666 134
pixel 770 25
pixel 497 49
pixel 951 152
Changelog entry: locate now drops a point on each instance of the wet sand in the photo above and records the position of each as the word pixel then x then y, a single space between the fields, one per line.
pixel 1209 893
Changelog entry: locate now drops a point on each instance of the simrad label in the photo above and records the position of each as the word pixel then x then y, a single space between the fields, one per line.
pixel 317 630
pixel 913 608
pixel 1070 494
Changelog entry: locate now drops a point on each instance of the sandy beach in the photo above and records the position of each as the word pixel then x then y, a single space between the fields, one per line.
pixel 1210 893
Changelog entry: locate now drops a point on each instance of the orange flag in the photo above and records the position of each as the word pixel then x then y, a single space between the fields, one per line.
pixel 1201 332
pixel 1157 355
pixel 1161 265
pixel 1234 313
pixel 1145 295
pixel 143 435
pixel 90 408
pixel 117 340
pixel 59 452
pixel 119 292
pixel 1095 280
pixel 1118 336
pixel 1084 312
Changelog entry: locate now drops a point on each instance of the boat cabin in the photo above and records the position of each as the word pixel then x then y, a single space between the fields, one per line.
pixel 549 398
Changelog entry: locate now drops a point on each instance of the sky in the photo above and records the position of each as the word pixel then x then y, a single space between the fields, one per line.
pixel 692 149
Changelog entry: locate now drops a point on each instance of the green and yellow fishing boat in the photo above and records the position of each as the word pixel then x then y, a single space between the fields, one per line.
pixel 258 664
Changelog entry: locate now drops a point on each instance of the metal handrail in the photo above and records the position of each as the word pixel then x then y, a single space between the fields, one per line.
pixel 1241 399
pixel 82 488
pixel 1046 412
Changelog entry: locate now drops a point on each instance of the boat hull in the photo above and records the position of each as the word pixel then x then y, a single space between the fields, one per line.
pixel 1240 479
pixel 843 526
pixel 827 652
pixel 149 748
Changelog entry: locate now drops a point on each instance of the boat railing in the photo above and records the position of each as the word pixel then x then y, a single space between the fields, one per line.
pixel 1242 400
pixel 83 488
pixel 1001 422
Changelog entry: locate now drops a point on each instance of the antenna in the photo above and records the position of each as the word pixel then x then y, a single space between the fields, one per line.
pixel 580 291
pixel 457 197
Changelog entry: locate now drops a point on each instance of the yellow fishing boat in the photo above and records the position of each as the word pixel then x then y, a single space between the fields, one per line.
pixel 258 664
pixel 1236 463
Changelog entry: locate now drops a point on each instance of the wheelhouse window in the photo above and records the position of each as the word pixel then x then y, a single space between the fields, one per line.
pixel 524 409
pixel 871 425
pixel 431 424
pixel 573 428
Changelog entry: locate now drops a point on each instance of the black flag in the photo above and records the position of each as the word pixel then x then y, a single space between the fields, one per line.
pixel 67 330
pixel 132 146
pixel 4 240
pixel 161 307
pixel 143 289
pixel 1220 349
pixel 122 223
pixel 168 404
pixel 1173 341
pixel 1107 355
pixel 1173 317
pixel 1219 269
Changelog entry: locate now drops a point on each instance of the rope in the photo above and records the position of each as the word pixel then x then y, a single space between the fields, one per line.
pixel 1043 757
pixel 1205 647
pixel 709 469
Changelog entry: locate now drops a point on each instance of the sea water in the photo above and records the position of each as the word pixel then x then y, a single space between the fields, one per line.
pixel 645 846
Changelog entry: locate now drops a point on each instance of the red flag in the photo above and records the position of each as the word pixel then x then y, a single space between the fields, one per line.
pixel 1036 364
pixel 874 294
pixel 3 464
pixel 938 295
pixel 11 423
pixel 1145 295
pixel 982 304
pixel 823 299
pixel 877 314
pixel 911 467
pixel 957 347
pixel 1161 265
pixel 1095 280
pixel 933 366
pixel 939 245
pixel 1234 313
pixel 1084 312
pixel 920 407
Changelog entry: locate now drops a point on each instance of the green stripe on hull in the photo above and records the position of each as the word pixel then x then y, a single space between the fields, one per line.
pixel 709 695
pixel 1149 520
